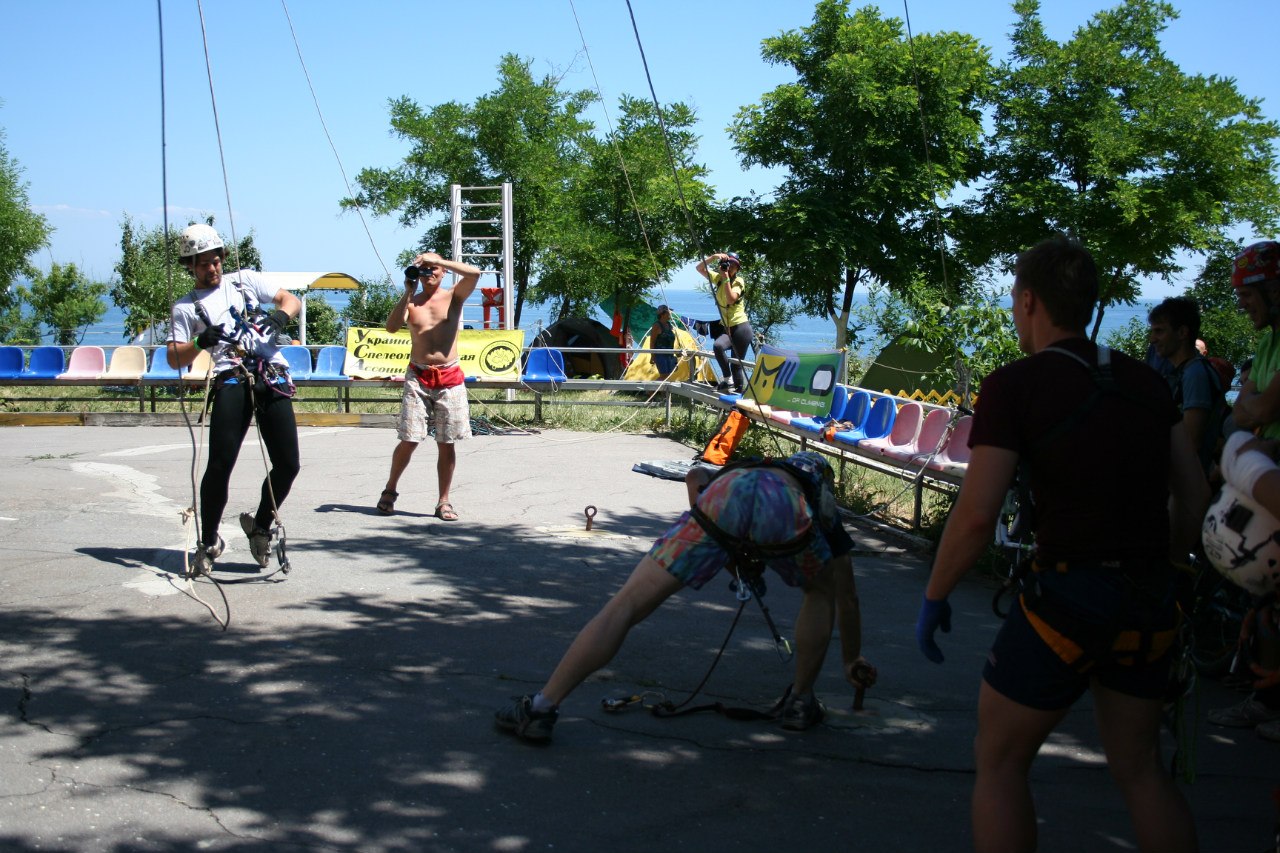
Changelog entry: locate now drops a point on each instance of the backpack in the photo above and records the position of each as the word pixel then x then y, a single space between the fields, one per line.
pixel 1218 408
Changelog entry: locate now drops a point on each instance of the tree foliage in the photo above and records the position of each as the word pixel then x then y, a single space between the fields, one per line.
pixel 1104 138
pixel 66 301
pixel 873 132
pixel 371 303
pixel 526 131
pixel 150 279
pixel 22 233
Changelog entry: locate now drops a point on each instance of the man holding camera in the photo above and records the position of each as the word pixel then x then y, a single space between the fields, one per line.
pixel 434 395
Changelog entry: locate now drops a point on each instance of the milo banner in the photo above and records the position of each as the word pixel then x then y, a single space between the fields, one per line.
pixel 795 381
pixel 487 354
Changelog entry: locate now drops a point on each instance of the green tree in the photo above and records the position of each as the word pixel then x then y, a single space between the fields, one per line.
pixel 22 233
pixel 1104 138
pixel 623 226
pixel 525 131
pixel 66 301
pixel 324 323
pixel 874 130
pixel 150 279
pixel 371 303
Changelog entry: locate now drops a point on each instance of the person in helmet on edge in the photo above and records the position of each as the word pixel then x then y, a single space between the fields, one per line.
pixel 1255 275
pixel 1118 492
pixel 237 318
pixel 434 393
pixel 789 511
pixel 729 288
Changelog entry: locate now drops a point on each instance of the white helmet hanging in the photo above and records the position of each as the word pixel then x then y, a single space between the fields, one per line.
pixel 1242 540
pixel 199 238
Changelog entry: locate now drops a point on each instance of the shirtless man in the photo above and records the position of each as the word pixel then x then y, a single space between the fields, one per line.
pixel 434 394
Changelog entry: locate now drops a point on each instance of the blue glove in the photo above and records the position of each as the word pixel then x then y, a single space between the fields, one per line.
pixel 933 615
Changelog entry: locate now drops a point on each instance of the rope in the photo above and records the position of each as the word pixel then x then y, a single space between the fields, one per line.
pixel 332 147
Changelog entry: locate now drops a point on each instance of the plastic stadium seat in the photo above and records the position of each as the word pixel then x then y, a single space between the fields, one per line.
pixel 11 362
pixel 46 363
pixel 199 369
pixel 330 362
pixel 299 358
pixel 87 362
pixel 854 415
pixel 877 423
pixel 160 371
pixel 953 458
pixel 544 365
pixel 906 426
pixel 127 363
pixel 933 429
pixel 839 399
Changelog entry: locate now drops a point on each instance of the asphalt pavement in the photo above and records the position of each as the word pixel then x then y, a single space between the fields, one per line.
pixel 348 704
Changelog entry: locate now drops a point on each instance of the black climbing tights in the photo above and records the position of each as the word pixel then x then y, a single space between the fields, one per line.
pixel 228 425
pixel 736 339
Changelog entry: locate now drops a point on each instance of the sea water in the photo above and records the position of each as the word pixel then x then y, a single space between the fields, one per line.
pixel 803 333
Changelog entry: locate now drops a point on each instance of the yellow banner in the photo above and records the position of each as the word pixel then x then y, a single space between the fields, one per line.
pixel 378 354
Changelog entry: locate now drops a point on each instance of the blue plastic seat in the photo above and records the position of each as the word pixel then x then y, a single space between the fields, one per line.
pixel 11 362
pixel 330 362
pixel 815 423
pixel 160 371
pixel 46 363
pixel 299 358
pixel 877 423
pixel 544 365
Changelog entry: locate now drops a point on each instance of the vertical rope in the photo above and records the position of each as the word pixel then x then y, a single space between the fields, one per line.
pixel 217 128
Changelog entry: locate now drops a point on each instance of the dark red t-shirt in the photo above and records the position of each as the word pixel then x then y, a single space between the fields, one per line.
pixel 1101 488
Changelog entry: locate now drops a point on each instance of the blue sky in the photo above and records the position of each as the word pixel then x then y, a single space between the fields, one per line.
pixel 80 97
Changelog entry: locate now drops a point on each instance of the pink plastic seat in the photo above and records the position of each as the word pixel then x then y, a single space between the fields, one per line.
pixel 932 430
pixel 87 362
pixel 906 426
pixel 953 458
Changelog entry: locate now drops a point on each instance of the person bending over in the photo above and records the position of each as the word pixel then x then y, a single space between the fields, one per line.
pixel 786 511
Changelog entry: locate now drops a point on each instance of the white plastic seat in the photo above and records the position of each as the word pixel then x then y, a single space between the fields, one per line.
pixel 128 363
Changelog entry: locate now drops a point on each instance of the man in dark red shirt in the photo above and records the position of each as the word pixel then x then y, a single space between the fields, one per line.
pixel 1104 449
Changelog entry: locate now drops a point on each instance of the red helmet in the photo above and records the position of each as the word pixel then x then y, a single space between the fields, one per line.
pixel 1257 264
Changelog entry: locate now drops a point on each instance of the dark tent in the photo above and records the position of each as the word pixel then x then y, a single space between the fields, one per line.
pixel 582 332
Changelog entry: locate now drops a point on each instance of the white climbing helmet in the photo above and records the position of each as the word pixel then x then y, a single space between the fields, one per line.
pixel 1242 540
pixel 199 238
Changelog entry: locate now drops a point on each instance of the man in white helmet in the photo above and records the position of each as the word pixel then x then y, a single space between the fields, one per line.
pixel 236 318
pixel 434 397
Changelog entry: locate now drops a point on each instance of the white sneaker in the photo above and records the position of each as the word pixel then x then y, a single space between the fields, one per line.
pixel 202 562
pixel 259 540
pixel 1246 715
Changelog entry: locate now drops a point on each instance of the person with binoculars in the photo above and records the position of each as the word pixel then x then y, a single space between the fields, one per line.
pixel 434 395
pixel 737 335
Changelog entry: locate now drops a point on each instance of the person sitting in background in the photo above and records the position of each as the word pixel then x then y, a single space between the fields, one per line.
pixel 662 335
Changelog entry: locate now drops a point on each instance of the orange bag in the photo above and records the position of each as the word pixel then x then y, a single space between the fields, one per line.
pixel 726 438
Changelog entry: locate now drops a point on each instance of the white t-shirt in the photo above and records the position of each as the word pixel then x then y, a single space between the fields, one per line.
pixel 244 291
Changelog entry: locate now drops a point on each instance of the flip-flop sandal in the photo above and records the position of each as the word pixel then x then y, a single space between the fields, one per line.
pixel 445 512
pixel 387 505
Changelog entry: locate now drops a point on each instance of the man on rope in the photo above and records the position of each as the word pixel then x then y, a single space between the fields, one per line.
pixel 729 288
pixel 782 516
pixel 1105 451
pixel 434 394
pixel 236 319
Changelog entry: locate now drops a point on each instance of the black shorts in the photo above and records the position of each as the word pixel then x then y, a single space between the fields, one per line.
pixel 1087 624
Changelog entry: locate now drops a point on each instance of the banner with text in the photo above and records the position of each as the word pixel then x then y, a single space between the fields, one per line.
pixel 483 353
pixel 794 381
